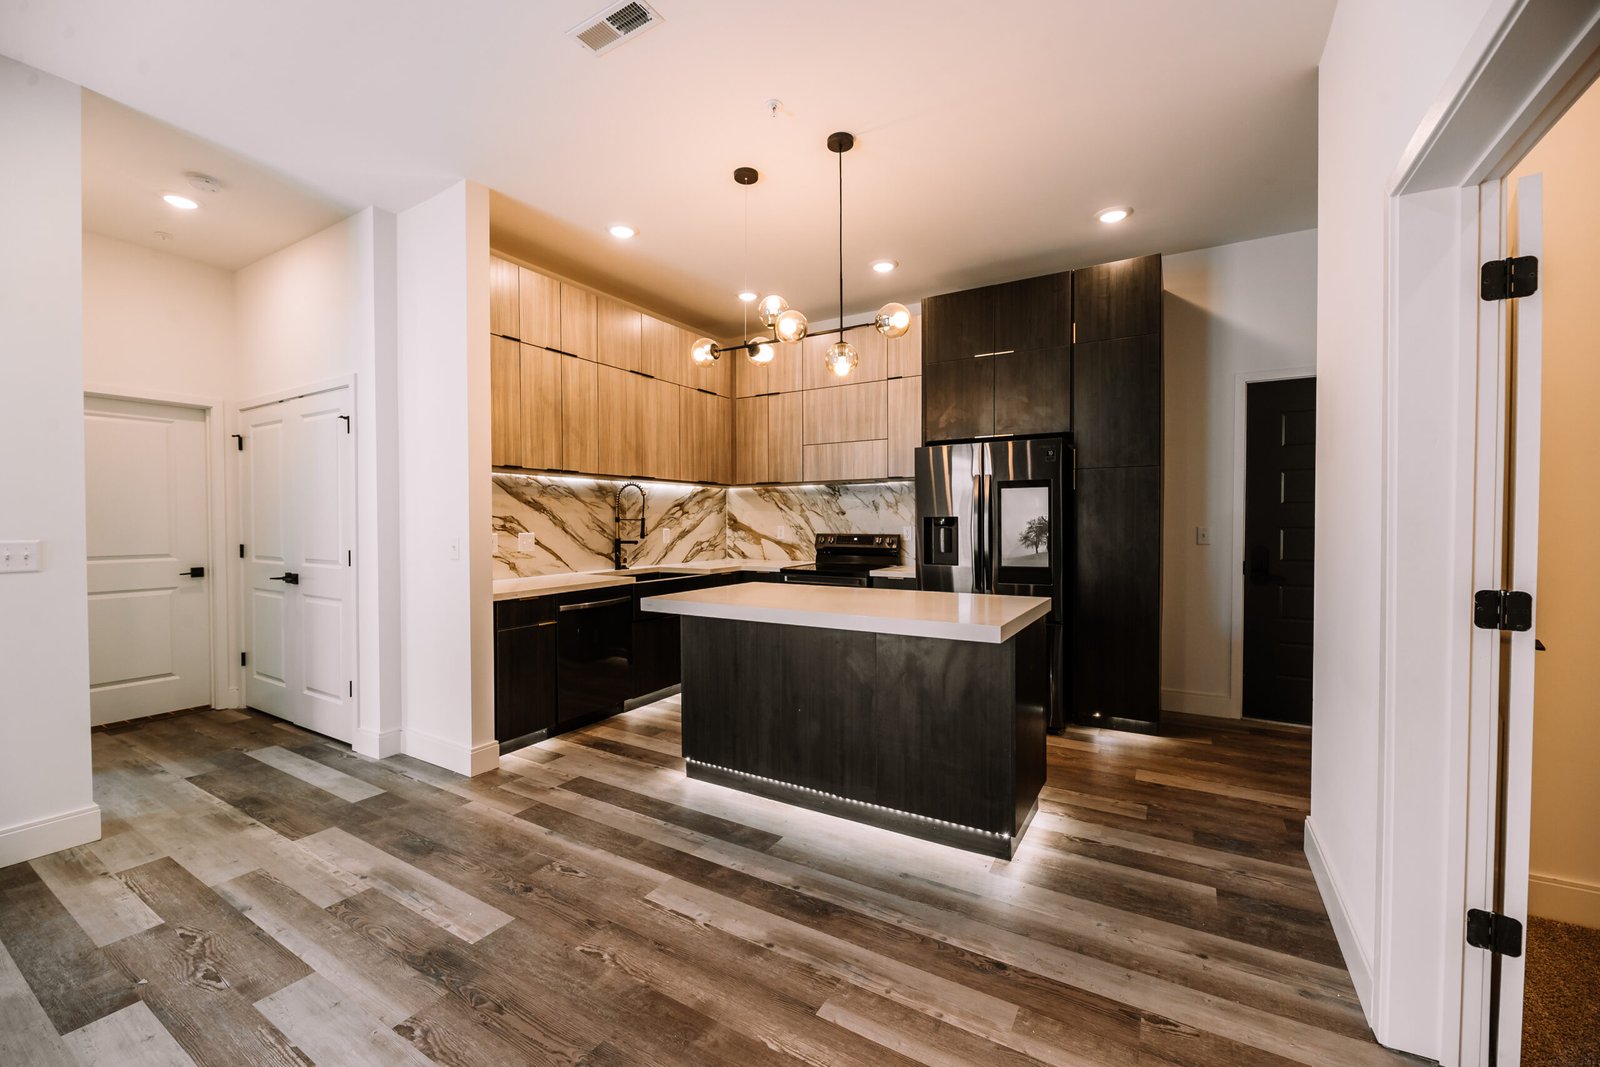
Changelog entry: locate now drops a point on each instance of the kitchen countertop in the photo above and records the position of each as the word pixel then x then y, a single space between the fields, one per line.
pixel 576 581
pixel 899 570
pixel 976 617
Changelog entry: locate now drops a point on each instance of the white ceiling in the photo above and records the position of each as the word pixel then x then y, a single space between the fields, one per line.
pixel 130 161
pixel 988 134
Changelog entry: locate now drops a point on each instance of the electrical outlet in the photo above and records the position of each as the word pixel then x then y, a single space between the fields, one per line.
pixel 783 532
pixel 1202 535
pixel 19 556
pixel 454 548
pixel 527 542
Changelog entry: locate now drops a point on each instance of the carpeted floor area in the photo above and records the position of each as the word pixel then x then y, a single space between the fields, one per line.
pixel 1561 1011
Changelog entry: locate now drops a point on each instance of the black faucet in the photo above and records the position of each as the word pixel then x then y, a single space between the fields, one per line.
pixel 616 540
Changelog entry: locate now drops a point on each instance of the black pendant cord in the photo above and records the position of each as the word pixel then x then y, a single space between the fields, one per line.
pixel 841 242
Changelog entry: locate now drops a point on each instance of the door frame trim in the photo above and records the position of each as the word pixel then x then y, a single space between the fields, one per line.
pixel 1241 392
pixel 235 516
pixel 1527 62
pixel 219 630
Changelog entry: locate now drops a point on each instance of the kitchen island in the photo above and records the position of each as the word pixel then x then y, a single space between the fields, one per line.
pixel 921 712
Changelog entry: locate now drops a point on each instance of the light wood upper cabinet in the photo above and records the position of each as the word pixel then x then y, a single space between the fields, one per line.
pixel 580 438
pixel 751 438
pixel 579 318
pixel 539 296
pixel 504 310
pixel 905 425
pixel 848 413
pixel 541 403
pixel 505 402
pixel 903 354
pixel 846 461
pixel 869 346
pixel 619 335
pixel 782 375
pixel 664 350
pixel 707 437
pixel 619 408
pixel 661 429
pixel 784 427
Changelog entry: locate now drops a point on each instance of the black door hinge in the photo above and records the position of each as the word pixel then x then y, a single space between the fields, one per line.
pixel 1496 933
pixel 1507 279
pixel 243 658
pixel 1502 609
pixel 238 439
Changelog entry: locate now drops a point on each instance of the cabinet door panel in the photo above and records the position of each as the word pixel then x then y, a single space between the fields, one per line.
pixel 619 334
pixel 1033 391
pixel 661 451
pixel 782 375
pixel 1116 630
pixel 1034 313
pixel 505 402
pixel 541 407
pixel 665 350
pixel 1121 299
pixel 958 399
pixel 903 354
pixel 905 425
pixel 752 435
pixel 1116 402
pixel 505 315
pixel 957 326
pixel 524 680
pixel 849 413
pixel 784 421
pixel 580 450
pixel 619 398
pixel 870 351
pixel 540 299
pixel 579 322
pixel 846 461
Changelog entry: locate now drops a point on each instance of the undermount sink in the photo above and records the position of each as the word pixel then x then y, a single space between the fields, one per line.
pixel 650 576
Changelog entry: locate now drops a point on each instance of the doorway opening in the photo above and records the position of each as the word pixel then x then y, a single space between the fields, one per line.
pixel 1279 532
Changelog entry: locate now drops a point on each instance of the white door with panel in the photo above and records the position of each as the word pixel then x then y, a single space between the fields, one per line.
pixel 298 524
pixel 146 479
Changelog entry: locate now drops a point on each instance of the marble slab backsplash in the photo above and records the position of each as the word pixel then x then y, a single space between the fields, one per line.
pixel 780 521
pixel 571 520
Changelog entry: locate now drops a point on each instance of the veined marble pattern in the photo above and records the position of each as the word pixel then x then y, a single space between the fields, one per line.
pixel 572 520
pixel 781 521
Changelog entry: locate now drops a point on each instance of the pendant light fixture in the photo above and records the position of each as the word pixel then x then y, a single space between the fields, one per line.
pixel 790 325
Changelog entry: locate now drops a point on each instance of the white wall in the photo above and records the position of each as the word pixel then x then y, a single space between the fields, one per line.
pixel 46 801
pixel 1384 64
pixel 1236 313
pixel 447 642
pixel 155 323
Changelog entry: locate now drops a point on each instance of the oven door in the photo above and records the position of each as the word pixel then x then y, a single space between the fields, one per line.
pixel 813 578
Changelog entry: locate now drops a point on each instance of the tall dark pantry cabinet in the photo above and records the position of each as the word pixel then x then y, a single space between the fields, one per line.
pixel 1077 352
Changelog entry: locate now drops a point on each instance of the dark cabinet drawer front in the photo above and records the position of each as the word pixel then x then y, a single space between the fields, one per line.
pixel 1033 392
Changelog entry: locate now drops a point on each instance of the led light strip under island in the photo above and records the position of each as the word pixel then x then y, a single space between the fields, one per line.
pixel 917 711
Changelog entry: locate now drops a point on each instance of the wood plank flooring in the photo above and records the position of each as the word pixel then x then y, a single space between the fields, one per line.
pixel 264 896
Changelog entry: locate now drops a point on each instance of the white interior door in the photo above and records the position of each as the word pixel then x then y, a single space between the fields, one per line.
pixel 149 619
pixel 298 499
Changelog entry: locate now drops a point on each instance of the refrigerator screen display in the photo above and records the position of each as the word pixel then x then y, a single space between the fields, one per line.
pixel 1024 541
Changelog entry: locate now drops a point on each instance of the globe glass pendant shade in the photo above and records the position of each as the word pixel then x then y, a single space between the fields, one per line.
pixel 791 326
pixel 763 351
pixel 704 352
pixel 770 308
pixel 841 358
pixel 892 320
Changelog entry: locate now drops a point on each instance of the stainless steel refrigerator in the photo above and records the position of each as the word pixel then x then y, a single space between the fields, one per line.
pixel 995 516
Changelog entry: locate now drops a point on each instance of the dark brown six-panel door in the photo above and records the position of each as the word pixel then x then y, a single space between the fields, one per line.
pixel 1280 487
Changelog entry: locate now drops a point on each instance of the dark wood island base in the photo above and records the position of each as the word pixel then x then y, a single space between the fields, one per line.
pixel 939 739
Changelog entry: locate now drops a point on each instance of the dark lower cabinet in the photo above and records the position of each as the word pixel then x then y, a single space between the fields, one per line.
pixel 1116 625
pixel 1033 391
pixel 524 668
pixel 958 399
pixel 1116 402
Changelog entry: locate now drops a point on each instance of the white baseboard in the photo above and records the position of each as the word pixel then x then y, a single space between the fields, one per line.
pixel 1355 959
pixel 452 755
pixel 1187 702
pixel 378 744
pixel 1564 900
pixel 40 837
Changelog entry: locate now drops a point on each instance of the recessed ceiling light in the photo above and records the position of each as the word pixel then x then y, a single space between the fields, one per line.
pixel 1114 214
pixel 747 296
pixel 180 201
pixel 621 232
pixel 884 266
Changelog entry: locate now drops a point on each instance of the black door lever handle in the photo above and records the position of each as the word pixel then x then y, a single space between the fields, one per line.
pixel 287 578
pixel 193 572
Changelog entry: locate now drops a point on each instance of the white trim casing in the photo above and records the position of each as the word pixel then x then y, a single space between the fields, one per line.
pixel 1355 959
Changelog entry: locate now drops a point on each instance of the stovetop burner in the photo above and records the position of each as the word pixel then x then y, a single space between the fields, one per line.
pixel 852 553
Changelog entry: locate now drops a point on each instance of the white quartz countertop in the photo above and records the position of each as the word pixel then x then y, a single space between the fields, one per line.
pixel 575 581
pixel 908 612
pixel 899 570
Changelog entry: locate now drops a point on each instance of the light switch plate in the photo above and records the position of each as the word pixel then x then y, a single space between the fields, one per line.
pixel 1202 535
pixel 18 556
pixel 527 542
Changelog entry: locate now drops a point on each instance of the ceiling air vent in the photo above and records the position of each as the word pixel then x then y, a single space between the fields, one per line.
pixel 614 25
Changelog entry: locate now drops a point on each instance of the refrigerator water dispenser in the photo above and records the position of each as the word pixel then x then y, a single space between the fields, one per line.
pixel 941 541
